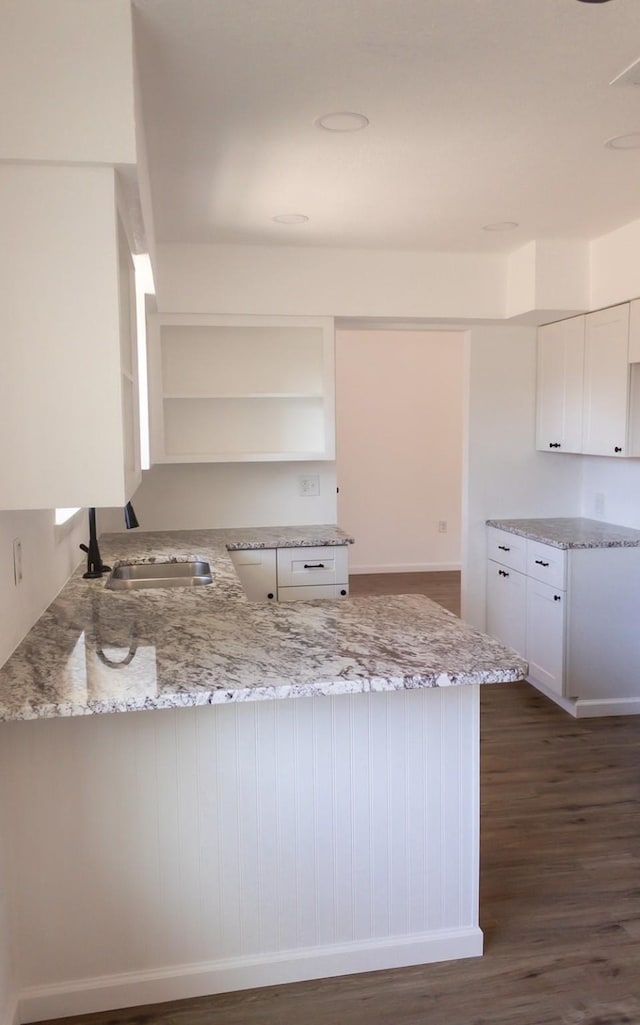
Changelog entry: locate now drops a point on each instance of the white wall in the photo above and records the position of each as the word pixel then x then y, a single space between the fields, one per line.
pixel 8 975
pixel 399 447
pixel 619 481
pixel 66 81
pixel 615 266
pixel 314 281
pixel 206 495
pixel 504 476
pixel 49 556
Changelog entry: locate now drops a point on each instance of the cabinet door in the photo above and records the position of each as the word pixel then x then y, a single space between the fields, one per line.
pixel 560 386
pixel 506 606
pixel 546 635
pixel 256 569
pixel 606 382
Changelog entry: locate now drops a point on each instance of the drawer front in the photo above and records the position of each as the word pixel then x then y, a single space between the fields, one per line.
pixel 547 564
pixel 509 549
pixel 301 567
pixel 311 591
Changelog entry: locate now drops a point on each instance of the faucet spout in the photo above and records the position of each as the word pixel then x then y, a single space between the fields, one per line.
pixel 95 565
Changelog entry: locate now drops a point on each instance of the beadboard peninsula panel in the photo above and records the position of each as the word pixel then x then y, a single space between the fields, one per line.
pixel 180 852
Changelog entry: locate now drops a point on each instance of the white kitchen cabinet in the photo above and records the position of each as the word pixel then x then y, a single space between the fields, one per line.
pixel 256 568
pixel 545 635
pixel 312 592
pixel 606 382
pixel 68 387
pixel 560 386
pixel 572 614
pixel 293 574
pixel 234 389
pixel 506 605
pixel 588 384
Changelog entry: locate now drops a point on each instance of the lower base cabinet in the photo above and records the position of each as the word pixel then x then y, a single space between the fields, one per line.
pixel 571 613
pixel 293 574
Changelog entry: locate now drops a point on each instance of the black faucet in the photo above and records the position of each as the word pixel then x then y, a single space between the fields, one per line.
pixel 95 565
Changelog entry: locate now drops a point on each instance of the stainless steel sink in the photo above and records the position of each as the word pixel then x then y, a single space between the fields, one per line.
pixel 159 574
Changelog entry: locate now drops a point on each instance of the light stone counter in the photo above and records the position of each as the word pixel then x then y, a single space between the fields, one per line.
pixel 571 532
pixel 96 651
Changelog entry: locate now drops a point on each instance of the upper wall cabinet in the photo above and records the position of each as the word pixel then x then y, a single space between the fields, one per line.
pixel 560 384
pixel 233 389
pixel 606 382
pixel 588 391
pixel 68 393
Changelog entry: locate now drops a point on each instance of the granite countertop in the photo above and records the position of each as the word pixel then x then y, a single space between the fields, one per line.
pixel 97 651
pixel 572 532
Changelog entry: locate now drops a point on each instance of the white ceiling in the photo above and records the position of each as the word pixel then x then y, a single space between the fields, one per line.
pixel 480 111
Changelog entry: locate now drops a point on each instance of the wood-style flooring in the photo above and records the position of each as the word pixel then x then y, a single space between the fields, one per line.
pixel 560 891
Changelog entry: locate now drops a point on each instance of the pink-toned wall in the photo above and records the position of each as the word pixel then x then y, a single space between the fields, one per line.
pixel 399 402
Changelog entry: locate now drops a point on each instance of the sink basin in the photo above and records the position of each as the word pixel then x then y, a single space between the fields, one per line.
pixel 159 574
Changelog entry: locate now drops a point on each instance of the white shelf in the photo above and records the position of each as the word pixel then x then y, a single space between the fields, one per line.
pixel 241 395
pixel 235 389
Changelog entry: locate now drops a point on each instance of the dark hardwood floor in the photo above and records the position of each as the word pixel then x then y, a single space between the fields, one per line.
pixel 442 587
pixel 560 893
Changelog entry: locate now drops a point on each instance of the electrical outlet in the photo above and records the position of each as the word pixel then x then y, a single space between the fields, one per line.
pixel 309 486
pixel 599 503
pixel 17 561
pixel 442 526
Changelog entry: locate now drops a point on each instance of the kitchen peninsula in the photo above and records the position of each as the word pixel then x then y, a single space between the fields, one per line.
pixel 224 838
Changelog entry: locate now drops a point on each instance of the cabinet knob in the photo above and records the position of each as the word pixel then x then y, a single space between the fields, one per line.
pixel 502 573
pixel 617 449
pixel 343 592
pixel 557 597
pixel 539 562
pixel 270 595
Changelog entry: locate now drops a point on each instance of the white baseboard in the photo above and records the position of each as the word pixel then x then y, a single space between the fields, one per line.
pixel 178 982
pixel 591 708
pixel 408 567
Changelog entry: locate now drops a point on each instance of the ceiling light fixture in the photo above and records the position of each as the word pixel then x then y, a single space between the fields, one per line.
pixel 594 1
pixel 630 141
pixel 342 121
pixel 501 226
pixel 290 218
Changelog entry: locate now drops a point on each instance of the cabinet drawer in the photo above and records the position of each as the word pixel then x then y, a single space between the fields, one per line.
pixel 312 566
pixel 311 591
pixel 547 564
pixel 509 549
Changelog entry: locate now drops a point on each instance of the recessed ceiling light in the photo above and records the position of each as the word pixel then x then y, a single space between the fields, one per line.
pixel 501 226
pixel 343 121
pixel 594 1
pixel 631 141
pixel 290 218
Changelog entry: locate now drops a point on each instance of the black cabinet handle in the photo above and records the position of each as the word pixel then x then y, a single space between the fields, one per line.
pixel 503 548
pixel 539 562
pixel 557 597
pixel 501 573
pixel 617 449
pixel 555 444
pixel 315 565
pixel 270 595
pixel 343 592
